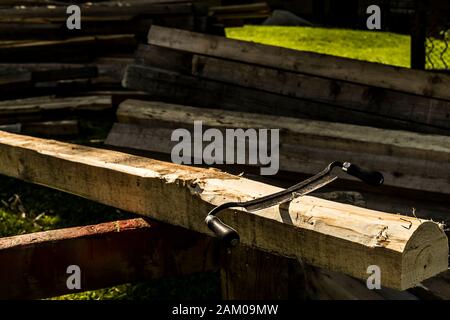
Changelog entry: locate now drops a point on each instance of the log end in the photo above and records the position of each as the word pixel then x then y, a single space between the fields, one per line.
pixel 425 254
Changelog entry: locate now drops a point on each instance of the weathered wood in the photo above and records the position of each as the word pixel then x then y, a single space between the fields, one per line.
pixel 14 81
pixel 47 128
pixel 252 7
pixel 178 88
pixel 34 265
pixel 50 107
pixel 118 252
pixel 336 236
pixel 75 49
pixel 36 105
pixel 94 11
pixel 101 71
pixel 438 287
pixel 423 114
pixel 256 275
pixel 373 74
pixel 386 103
pixel 407 160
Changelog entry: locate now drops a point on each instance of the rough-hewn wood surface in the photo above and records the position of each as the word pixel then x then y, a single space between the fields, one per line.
pixel 336 236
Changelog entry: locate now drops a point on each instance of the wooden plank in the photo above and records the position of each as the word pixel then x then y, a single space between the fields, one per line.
pixel 94 11
pixel 423 114
pixel 35 109
pixel 59 31
pixel 387 103
pixel 102 70
pixel 46 128
pixel 251 7
pixel 178 88
pixel 10 107
pixel 336 236
pixel 108 254
pixel 137 241
pixel 75 49
pixel 18 80
pixel 407 160
pixel 373 74
pixel 248 273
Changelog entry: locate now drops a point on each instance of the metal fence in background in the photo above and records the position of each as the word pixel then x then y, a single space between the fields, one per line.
pixel 430 36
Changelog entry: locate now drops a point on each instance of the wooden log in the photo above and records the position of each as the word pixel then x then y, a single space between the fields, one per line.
pixel 306 146
pixel 335 236
pixel 34 266
pixel 373 74
pixel 178 88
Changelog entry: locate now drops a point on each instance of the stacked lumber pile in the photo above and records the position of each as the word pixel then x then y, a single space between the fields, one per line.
pixel 24 20
pixel 178 65
pixel 59 69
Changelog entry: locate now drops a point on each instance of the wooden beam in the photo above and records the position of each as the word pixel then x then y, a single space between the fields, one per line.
pixel 118 252
pixel 40 104
pixel 345 97
pixel 373 74
pixel 49 107
pixel 102 70
pixel 35 265
pixel 184 89
pixel 335 236
pixel 14 81
pixel 306 146
pixel 94 11
pixel 74 49
pixel 45 128
pixel 387 103
pixel 252 7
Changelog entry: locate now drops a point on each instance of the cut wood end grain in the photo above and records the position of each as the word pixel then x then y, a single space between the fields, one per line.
pixel 341 238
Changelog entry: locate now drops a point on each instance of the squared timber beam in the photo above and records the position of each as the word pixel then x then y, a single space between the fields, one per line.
pixel 323 233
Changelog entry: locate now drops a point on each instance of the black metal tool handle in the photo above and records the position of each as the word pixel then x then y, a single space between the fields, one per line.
pixel 231 236
pixel 222 231
pixel 373 178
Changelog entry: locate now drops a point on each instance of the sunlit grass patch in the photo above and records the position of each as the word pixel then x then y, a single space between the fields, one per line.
pixel 374 46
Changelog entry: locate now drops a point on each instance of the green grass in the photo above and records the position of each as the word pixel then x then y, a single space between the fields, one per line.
pixel 203 286
pixel 382 47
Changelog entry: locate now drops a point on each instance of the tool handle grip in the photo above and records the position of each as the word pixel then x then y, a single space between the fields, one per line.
pixel 373 178
pixel 222 231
